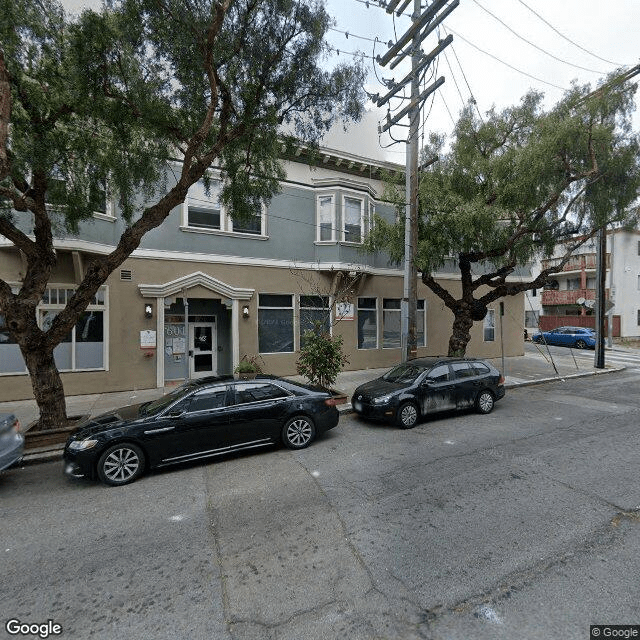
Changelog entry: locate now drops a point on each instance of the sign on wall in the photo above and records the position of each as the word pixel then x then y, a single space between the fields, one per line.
pixel 147 339
pixel 345 311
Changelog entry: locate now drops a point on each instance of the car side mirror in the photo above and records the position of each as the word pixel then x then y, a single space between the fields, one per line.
pixel 176 413
pixel 427 381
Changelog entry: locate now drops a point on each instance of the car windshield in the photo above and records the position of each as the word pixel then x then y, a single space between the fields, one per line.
pixel 156 406
pixel 405 373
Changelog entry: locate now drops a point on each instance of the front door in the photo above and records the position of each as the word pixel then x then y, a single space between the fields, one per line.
pixel 202 349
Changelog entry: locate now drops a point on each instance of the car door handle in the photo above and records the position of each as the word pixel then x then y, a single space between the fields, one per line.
pixel 150 431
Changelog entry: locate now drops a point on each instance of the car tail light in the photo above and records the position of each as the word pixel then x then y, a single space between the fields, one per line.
pixel 332 402
pixel 501 381
pixel 16 426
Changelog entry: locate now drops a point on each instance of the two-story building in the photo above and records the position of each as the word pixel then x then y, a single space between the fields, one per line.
pixel 202 291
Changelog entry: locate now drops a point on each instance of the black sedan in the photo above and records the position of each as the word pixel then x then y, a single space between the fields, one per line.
pixel 429 385
pixel 201 419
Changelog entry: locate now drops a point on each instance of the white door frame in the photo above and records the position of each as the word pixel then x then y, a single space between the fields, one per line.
pixel 213 351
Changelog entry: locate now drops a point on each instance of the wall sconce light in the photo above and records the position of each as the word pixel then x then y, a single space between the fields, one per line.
pixel 148 311
pixel 245 311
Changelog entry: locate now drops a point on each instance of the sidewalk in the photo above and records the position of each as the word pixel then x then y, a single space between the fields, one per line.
pixel 531 368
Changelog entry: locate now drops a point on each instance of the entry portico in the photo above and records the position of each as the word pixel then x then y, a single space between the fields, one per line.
pixel 200 334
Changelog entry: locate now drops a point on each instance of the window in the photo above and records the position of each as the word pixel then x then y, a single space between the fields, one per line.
pixel 367 323
pixel 326 219
pixel 314 309
pixel 534 293
pixel 391 334
pixel 639 317
pixel 352 219
pixel 371 221
pixel 489 326
pixel 84 348
pixel 208 399
pixel 481 369
pixel 257 392
pixel 573 284
pixel 463 370
pixel 203 211
pixel 639 247
pixel 439 373
pixel 252 225
pixel 421 324
pixel 531 319
pixel 275 323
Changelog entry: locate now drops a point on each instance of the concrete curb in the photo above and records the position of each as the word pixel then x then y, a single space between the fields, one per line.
pixel 55 453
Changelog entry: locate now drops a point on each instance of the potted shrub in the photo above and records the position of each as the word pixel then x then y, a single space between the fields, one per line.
pixel 248 368
pixel 321 360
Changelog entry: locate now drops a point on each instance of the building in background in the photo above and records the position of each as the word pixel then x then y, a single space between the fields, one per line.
pixel 561 299
pixel 202 290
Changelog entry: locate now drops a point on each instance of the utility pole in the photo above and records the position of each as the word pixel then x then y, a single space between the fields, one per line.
pixel 422 25
pixel 410 289
pixel 601 269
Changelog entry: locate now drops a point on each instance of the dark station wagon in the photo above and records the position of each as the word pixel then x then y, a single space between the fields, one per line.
pixel 201 419
pixel 422 386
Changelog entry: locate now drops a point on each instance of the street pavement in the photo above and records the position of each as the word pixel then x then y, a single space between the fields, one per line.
pixel 524 523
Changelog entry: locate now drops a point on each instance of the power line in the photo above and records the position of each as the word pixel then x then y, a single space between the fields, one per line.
pixel 524 73
pixel 575 44
pixel 515 33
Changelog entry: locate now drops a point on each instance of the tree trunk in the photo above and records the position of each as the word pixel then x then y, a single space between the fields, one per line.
pixel 461 331
pixel 47 388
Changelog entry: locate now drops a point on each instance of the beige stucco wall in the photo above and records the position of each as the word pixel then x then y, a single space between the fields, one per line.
pixel 130 368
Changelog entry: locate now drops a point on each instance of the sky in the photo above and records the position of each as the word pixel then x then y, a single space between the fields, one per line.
pixel 488 59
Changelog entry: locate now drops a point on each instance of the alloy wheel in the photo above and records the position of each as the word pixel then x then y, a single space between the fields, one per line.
pixel 121 465
pixel 299 432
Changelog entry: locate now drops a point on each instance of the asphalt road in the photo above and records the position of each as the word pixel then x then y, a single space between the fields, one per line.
pixel 521 524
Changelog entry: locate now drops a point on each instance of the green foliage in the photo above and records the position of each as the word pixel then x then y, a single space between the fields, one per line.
pixel 321 357
pixel 514 184
pixel 249 364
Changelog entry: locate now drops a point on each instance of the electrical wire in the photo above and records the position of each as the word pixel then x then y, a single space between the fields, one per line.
pixel 524 73
pixel 575 44
pixel 535 46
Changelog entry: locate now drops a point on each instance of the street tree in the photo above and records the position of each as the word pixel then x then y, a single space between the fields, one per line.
pixel 108 100
pixel 513 187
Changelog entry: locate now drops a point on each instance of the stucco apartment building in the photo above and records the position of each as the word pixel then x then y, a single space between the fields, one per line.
pixel 557 304
pixel 202 291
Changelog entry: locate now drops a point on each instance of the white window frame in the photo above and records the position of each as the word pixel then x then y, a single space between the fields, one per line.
pixel 293 320
pixel 226 222
pixel 399 312
pixel 109 207
pixel 370 222
pixel 48 306
pixel 343 230
pixel 332 198
pixel 491 313
pixel 263 224
pixel 376 310
pixel 300 309
pixel 424 322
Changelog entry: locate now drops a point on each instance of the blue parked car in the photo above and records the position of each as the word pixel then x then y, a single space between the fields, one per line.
pixel 578 337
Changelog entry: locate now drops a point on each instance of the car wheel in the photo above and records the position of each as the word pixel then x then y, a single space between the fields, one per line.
pixel 485 402
pixel 121 464
pixel 407 415
pixel 298 432
pixel 581 344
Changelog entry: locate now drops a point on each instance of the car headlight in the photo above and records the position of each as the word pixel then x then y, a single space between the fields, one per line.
pixel 381 400
pixel 81 445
